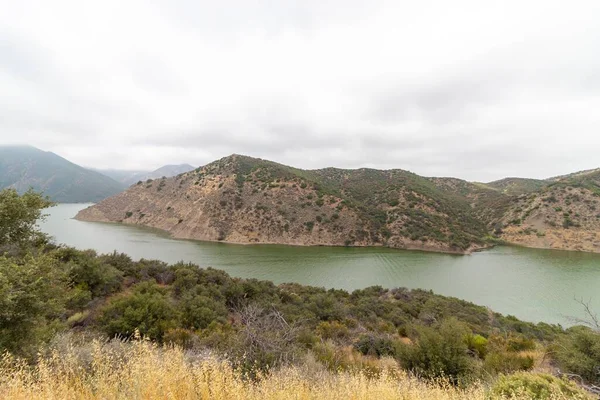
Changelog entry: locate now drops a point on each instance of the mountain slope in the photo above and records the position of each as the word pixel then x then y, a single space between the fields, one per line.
pixel 24 167
pixel 565 214
pixel 246 200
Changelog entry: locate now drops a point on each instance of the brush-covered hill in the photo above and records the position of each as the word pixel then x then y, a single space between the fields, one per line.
pixel 247 200
pixel 25 167
pixel 241 199
pixel 564 214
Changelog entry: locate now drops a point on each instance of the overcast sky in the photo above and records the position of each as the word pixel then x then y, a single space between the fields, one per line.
pixel 473 89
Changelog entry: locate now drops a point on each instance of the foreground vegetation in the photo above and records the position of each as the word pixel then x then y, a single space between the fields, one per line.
pixel 141 370
pixel 214 336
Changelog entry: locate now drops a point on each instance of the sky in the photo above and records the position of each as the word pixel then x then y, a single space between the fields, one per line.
pixel 478 90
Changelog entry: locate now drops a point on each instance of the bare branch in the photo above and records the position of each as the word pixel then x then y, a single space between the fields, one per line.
pixel 592 320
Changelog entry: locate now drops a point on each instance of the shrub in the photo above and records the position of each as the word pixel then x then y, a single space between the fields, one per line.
pixel 536 387
pixel 32 296
pixel 147 309
pixel 334 330
pixel 375 346
pixel 506 362
pixel 478 345
pixel 578 352
pixel 439 351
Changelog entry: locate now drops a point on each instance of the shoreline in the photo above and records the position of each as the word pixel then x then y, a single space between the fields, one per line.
pixel 175 237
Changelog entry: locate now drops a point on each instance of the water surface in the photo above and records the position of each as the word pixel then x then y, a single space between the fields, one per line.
pixel 534 285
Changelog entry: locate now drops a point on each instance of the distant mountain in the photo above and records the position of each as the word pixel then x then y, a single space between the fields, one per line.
pixel 241 199
pixel 130 177
pixel 24 167
pixel 125 177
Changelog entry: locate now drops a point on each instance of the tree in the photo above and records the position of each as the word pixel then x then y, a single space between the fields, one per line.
pixel 32 297
pixel 18 217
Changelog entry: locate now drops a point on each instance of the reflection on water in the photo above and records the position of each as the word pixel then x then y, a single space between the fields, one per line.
pixel 535 285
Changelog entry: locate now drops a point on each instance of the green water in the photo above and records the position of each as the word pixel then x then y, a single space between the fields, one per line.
pixel 534 285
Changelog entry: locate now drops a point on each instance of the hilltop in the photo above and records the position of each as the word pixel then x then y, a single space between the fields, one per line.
pixel 241 199
pixel 24 167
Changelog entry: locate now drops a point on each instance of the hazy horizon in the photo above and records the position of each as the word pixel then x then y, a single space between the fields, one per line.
pixel 326 166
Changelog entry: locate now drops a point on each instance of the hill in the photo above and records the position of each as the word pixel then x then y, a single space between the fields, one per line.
pixel 24 167
pixel 246 200
pixel 241 199
pixel 130 177
pixel 564 214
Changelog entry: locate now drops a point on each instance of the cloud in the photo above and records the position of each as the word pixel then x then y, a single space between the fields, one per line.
pixel 478 91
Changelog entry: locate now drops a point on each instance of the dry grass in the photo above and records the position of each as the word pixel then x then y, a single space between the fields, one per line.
pixel 141 370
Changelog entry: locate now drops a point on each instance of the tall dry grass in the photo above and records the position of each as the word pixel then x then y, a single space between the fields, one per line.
pixel 141 370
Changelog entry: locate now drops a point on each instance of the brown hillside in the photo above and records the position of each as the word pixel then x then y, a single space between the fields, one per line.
pixel 239 199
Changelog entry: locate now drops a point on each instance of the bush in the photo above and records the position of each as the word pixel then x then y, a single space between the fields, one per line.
pixel 536 387
pixel 478 345
pixel 147 309
pixel 439 351
pixel 375 346
pixel 333 330
pixel 507 362
pixel 578 352
pixel 32 297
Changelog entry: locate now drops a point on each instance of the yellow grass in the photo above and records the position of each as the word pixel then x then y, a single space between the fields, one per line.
pixel 141 370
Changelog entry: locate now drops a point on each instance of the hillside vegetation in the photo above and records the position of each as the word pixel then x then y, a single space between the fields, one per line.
pixel 141 370
pixel 24 167
pixel 211 335
pixel 565 214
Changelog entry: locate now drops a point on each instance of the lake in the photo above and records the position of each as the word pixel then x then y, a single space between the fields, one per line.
pixel 534 285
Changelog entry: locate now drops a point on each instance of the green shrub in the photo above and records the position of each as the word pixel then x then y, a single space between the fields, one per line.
pixel 147 309
pixel 524 385
pixel 32 298
pixel 334 330
pixel 478 345
pixel 578 352
pixel 439 351
pixel 506 362
pixel 373 345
